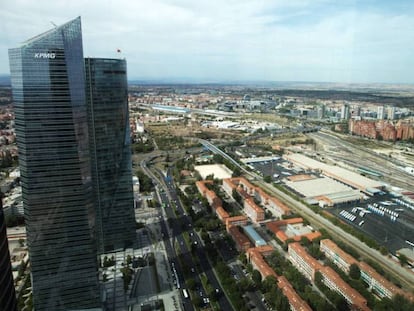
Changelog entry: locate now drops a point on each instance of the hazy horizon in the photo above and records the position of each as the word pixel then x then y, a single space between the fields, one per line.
pixel 312 41
pixel 323 40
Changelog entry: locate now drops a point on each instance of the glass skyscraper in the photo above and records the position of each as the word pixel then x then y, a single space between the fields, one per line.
pixel 108 119
pixel 48 83
pixel 7 293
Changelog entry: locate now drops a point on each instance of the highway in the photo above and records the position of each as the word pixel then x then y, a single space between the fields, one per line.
pixel 179 222
pixel 168 237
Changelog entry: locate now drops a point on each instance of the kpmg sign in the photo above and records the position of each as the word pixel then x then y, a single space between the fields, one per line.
pixel 45 55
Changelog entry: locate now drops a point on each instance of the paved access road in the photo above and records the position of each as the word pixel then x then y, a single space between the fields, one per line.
pixel 403 275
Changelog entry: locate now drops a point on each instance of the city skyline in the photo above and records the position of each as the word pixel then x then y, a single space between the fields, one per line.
pixel 315 41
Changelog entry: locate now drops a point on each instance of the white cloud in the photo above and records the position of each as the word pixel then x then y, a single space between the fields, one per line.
pixel 232 39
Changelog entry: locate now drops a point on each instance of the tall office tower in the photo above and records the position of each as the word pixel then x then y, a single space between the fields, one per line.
pixel 381 113
pixel 107 102
pixel 47 74
pixel 345 112
pixel 7 293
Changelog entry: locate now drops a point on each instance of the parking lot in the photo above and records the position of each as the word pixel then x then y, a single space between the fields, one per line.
pixel 385 218
pixel 277 169
pixel 382 218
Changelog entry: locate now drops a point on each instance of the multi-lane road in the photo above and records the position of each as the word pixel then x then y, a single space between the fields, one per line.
pixel 176 245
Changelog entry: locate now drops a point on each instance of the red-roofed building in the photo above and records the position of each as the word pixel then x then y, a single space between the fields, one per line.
pixel 258 263
pixel 242 242
pixel 308 266
pixel 213 199
pixel 201 187
pixel 265 250
pixel 337 255
pixel 253 211
pixel 304 262
pixel 376 282
pixel 255 256
pixel 228 186
pixel 278 207
pixel 296 303
pixel 222 214
pixel 331 279
pixel 278 228
pixel 236 221
pixel 380 285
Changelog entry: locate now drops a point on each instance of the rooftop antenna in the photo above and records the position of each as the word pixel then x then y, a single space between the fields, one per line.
pixel 53 24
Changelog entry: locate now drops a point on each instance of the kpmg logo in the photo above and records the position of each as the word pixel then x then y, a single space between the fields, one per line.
pixel 45 55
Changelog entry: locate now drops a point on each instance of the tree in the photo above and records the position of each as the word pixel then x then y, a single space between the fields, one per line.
pixel 191 284
pixel 236 172
pixel 243 258
pixel 237 197
pixel 256 277
pixel 127 276
pixel 354 272
pixel 197 301
pixel 403 259
pixel 383 250
pixel 129 259
pixel 268 179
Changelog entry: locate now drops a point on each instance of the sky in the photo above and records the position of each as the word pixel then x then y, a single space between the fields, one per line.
pixel 346 41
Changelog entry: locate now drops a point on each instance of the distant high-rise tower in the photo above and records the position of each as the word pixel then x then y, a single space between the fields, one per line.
pixel 345 112
pixel 381 113
pixel 107 101
pixel 391 113
pixel 7 293
pixel 47 74
pixel 357 111
pixel 321 111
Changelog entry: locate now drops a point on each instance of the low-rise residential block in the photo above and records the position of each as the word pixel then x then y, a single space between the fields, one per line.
pixel 335 254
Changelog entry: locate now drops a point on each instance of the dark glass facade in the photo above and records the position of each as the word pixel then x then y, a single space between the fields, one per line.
pixel 47 74
pixel 7 293
pixel 107 102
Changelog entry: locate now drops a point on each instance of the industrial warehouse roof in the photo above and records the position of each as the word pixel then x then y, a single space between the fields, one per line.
pixel 219 171
pixel 343 175
pixel 317 187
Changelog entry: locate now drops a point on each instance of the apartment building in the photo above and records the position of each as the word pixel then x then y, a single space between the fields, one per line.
pixel 258 263
pixel 296 303
pixel 378 284
pixel 236 221
pixel 304 262
pixel 255 256
pixel 247 190
pixel 332 280
pixel 308 266
pixel 242 242
pixel 335 254
pixel 291 229
pixel 222 214
pixel 253 211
